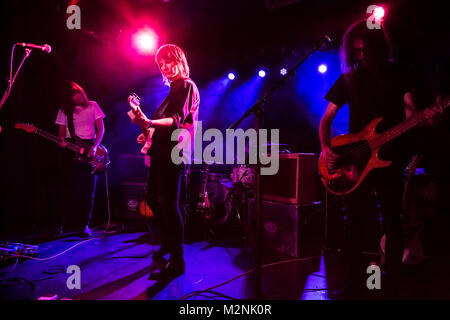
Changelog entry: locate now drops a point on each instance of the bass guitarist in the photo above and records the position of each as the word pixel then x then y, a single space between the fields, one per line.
pixel 372 87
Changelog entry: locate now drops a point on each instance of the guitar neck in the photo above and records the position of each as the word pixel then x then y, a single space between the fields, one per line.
pixel 56 139
pixel 398 130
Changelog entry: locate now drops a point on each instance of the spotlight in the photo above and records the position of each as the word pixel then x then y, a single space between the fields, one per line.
pixel 378 13
pixel 145 41
pixel 323 68
pixel 231 76
pixel 262 73
pixel 283 72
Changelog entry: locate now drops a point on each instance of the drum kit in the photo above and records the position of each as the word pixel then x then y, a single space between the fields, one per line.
pixel 215 195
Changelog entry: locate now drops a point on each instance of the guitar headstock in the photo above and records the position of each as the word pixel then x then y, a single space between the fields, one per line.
pixel 441 104
pixel 29 128
pixel 134 101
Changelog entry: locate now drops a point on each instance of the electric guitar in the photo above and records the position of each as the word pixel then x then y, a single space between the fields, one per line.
pixel 358 153
pixel 98 162
pixel 134 101
pixel 204 206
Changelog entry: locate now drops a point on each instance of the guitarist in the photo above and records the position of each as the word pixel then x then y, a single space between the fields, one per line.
pixel 178 110
pixel 78 119
pixel 372 87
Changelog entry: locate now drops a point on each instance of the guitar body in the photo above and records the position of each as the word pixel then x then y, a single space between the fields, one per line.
pixel 358 153
pixel 353 167
pixel 98 162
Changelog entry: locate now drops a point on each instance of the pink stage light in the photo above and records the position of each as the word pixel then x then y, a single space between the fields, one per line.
pixel 145 41
pixel 378 13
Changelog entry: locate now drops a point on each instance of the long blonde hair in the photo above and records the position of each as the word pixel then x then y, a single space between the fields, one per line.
pixel 174 53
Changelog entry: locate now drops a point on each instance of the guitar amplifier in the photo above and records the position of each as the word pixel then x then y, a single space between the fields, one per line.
pixel 133 200
pixel 288 228
pixel 296 181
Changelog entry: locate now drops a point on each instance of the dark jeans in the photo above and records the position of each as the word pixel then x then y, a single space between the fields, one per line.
pixel 163 198
pixel 381 192
pixel 76 185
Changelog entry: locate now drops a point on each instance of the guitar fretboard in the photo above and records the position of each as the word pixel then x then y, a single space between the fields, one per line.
pixel 56 139
pixel 399 129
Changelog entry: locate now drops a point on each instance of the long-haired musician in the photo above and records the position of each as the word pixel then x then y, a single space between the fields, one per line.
pixel 372 86
pixel 78 119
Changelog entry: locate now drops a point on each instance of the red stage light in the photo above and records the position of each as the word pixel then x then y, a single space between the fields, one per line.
pixel 145 41
pixel 378 13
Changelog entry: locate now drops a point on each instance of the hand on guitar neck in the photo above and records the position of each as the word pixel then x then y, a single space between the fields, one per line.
pixel 433 114
pixel 351 157
pixel 136 115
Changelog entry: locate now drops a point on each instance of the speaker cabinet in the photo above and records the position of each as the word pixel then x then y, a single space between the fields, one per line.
pixel 296 181
pixel 292 229
pixel 133 201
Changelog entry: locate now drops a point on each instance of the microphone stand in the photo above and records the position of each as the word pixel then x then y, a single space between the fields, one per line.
pixel 258 110
pixel 11 78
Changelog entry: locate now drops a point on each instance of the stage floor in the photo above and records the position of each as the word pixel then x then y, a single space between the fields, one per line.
pixel 117 266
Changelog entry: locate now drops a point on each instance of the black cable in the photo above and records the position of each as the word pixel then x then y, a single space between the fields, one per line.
pixel 19 283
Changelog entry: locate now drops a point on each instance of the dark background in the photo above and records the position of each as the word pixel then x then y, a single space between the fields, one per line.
pixel 218 36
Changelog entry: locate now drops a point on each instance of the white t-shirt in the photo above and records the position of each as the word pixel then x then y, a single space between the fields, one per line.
pixel 83 120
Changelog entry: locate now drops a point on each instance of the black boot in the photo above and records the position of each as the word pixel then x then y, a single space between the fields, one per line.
pixel 159 255
pixel 174 268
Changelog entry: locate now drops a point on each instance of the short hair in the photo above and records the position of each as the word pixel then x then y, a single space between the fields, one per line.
pixel 174 53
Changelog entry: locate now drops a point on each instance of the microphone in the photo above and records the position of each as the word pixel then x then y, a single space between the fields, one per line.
pixel 45 47
pixel 326 42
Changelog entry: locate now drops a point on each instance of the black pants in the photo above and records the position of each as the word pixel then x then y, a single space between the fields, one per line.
pixel 76 185
pixel 381 192
pixel 163 198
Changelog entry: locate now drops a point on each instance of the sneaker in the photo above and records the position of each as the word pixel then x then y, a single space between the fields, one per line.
pixel 87 231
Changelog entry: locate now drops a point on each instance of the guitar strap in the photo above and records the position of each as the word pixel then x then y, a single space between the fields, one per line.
pixel 71 126
pixel 73 136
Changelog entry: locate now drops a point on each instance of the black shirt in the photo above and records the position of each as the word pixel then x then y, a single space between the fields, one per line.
pixel 182 105
pixel 370 96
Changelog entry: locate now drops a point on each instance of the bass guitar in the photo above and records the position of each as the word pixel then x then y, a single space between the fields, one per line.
pixel 98 162
pixel 358 153
pixel 134 101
